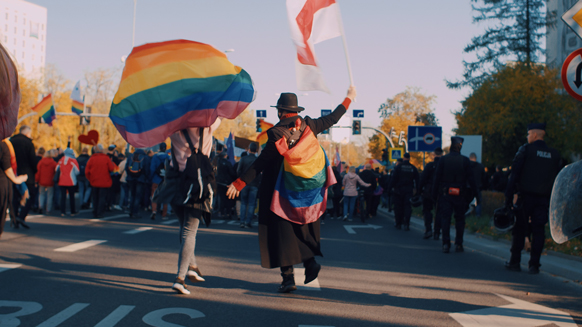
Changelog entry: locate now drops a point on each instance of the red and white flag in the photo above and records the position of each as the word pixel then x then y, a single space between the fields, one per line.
pixel 311 22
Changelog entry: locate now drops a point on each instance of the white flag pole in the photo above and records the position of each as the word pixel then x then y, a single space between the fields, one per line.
pixel 345 46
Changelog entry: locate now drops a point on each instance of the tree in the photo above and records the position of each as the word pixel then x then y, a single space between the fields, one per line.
pixel 408 108
pixel 242 126
pixel 517 34
pixel 507 101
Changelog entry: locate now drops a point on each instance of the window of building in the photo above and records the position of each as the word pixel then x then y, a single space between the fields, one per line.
pixel 23 32
pixel 43 27
pixel 42 48
pixel 42 37
pixel 15 29
pixel 16 19
pixel 33 56
pixel 14 41
pixel 6 39
pixel 23 44
pixel 6 28
pixel 24 21
pixel 6 16
pixel 23 55
pixel 41 59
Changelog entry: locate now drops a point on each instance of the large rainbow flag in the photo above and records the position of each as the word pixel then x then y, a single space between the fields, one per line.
pixel 262 138
pixel 173 85
pixel 46 110
pixel 301 189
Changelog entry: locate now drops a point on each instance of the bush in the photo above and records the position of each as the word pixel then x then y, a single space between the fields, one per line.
pixel 491 201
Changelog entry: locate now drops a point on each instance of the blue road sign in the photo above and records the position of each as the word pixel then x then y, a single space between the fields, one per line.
pixel 424 138
pixel 325 112
pixel 261 113
pixel 358 113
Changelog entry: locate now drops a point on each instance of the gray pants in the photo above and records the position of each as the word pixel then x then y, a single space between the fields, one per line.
pixel 189 221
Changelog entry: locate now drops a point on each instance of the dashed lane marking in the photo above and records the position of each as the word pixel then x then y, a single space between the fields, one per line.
pixel 300 278
pixel 109 218
pixel 169 222
pixel 80 246
pixel 8 266
pixel 137 230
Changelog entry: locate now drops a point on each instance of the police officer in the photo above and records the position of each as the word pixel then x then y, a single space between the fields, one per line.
pixel 534 169
pixel 452 174
pixel 404 181
pixel 428 203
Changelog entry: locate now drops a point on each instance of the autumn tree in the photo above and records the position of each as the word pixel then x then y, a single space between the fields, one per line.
pixel 242 126
pixel 408 108
pixel 507 101
pixel 517 29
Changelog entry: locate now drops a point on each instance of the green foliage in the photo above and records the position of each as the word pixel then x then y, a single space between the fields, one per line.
pixel 517 32
pixel 507 101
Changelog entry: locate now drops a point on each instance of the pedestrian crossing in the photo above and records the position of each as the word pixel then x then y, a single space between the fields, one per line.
pixel 8 266
pixel 79 246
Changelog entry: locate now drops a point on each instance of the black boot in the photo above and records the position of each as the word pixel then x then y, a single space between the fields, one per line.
pixel 288 283
pixel 312 269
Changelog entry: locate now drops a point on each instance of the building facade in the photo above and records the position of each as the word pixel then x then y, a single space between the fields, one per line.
pixel 560 39
pixel 23 27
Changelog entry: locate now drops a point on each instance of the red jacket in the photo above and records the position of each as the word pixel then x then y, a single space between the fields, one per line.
pixel 98 170
pixel 45 171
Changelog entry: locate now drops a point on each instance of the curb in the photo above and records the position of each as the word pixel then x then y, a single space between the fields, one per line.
pixel 555 264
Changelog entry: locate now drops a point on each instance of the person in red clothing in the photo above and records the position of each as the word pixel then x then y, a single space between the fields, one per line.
pixel 69 169
pixel 98 172
pixel 45 179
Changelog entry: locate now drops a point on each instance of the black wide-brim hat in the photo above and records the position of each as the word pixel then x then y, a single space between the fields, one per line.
pixel 288 101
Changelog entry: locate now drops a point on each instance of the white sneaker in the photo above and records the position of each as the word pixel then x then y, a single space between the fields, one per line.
pixel 180 287
pixel 195 276
pixel 345 218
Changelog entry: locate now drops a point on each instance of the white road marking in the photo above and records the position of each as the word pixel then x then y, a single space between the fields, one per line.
pixel 169 222
pixel 300 278
pixel 109 218
pixel 156 318
pixel 80 246
pixel 64 315
pixel 350 228
pixel 8 266
pixel 113 318
pixel 137 230
pixel 517 314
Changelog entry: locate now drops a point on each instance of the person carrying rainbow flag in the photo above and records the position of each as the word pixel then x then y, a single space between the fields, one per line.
pixel 293 191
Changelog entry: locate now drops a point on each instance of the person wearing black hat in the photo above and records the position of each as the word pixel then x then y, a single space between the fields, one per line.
pixel 451 176
pixel 404 181
pixel 284 243
pixel 534 170
pixel 428 203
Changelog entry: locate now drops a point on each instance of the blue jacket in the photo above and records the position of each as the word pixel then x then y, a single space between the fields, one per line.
pixel 157 160
pixel 144 176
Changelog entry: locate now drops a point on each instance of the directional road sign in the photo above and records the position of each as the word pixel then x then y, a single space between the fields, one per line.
pixel 261 113
pixel 573 18
pixel 358 113
pixel 572 74
pixel 424 138
pixel 395 153
pixel 325 112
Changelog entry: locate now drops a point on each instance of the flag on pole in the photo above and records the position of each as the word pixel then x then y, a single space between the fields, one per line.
pixel 230 148
pixel 46 110
pixel 311 22
pixel 78 104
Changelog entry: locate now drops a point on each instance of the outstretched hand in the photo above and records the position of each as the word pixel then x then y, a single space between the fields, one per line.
pixel 352 92
pixel 232 192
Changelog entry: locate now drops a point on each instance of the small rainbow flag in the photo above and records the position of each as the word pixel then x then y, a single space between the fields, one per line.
pixel 78 104
pixel 169 86
pixel 262 138
pixel 46 110
pixel 301 189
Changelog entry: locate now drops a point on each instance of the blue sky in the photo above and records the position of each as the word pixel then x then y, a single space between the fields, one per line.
pixel 392 43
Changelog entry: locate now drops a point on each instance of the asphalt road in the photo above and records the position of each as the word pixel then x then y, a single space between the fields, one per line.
pixel 371 276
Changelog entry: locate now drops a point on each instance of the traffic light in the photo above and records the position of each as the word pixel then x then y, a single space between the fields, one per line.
pixel 384 155
pixel 356 127
pixel 259 129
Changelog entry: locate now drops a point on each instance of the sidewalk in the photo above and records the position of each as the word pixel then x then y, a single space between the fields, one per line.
pixel 565 266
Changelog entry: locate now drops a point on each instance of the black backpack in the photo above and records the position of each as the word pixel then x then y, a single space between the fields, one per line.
pixel 197 183
pixel 135 168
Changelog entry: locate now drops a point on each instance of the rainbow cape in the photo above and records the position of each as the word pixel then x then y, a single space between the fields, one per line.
pixel 169 86
pixel 301 189
pixel 46 110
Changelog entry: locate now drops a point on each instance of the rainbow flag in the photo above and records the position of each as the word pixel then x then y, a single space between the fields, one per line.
pixel 78 104
pixel 169 86
pixel 262 138
pixel 46 110
pixel 301 188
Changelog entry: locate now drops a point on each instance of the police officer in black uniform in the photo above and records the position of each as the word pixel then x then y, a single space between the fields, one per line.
pixel 404 181
pixel 534 169
pixel 452 174
pixel 428 203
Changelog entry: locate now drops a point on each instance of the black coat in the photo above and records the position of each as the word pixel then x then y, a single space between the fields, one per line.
pixel 25 157
pixel 283 243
